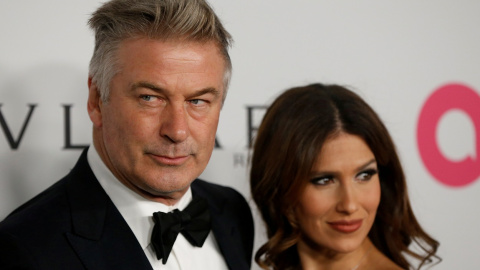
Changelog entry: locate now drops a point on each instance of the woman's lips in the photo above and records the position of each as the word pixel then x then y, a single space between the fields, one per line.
pixel 345 226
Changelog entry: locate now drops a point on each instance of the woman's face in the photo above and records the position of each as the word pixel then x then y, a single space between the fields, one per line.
pixel 338 206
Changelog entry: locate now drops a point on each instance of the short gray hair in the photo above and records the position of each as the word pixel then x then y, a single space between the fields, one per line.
pixel 118 20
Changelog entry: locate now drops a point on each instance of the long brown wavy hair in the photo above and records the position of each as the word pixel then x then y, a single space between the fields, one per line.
pixel 287 144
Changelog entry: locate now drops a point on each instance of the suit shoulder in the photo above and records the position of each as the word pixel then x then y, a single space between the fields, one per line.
pixel 38 210
pixel 205 188
pixel 50 202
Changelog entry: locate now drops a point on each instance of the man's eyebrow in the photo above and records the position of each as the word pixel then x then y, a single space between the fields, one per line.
pixel 151 86
pixel 143 84
pixel 208 90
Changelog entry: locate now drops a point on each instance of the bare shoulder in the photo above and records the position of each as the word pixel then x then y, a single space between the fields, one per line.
pixel 390 267
pixel 385 265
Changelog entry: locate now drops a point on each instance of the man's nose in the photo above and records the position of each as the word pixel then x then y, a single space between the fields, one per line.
pixel 174 120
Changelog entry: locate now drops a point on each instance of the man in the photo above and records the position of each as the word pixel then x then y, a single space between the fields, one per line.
pixel 158 79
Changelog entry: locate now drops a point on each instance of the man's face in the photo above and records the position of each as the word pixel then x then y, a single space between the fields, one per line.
pixel 156 132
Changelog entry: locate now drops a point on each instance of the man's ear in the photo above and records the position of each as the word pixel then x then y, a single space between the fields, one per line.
pixel 94 103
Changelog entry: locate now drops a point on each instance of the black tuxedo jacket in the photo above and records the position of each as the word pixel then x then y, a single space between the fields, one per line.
pixel 74 225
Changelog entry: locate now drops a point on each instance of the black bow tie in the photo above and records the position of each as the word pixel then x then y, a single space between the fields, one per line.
pixel 193 222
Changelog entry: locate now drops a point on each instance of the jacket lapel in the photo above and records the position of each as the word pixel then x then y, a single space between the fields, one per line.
pixel 227 238
pixel 100 235
pixel 224 229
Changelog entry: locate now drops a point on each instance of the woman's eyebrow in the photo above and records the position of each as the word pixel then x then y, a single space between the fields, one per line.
pixel 368 163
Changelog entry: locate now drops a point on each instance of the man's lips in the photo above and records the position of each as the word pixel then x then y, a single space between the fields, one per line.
pixel 345 226
pixel 170 160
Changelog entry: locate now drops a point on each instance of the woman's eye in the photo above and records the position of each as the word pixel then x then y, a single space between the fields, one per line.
pixel 322 181
pixel 366 175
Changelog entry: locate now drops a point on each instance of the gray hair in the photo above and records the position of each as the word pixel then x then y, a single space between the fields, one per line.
pixel 118 20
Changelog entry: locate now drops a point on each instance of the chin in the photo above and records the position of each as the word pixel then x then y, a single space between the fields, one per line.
pixel 349 246
pixel 169 185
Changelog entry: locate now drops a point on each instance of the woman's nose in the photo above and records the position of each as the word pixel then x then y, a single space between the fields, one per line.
pixel 347 200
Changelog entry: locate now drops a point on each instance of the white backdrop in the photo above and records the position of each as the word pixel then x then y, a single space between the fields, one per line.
pixel 395 54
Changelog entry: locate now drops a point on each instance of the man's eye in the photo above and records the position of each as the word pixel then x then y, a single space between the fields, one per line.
pixel 147 97
pixel 197 101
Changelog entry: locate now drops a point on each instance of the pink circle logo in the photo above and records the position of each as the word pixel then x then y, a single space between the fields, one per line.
pixel 448 97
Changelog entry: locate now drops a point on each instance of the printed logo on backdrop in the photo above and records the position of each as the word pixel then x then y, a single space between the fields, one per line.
pixel 14 141
pixel 254 116
pixel 450 98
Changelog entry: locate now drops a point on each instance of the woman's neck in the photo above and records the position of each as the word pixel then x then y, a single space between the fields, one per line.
pixel 323 259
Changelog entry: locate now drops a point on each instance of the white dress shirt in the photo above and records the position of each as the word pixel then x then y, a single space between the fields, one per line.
pixel 138 211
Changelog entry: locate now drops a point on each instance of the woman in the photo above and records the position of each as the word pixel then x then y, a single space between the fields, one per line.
pixel 329 185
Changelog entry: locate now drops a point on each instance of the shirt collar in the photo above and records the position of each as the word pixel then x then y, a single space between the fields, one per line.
pixel 135 209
